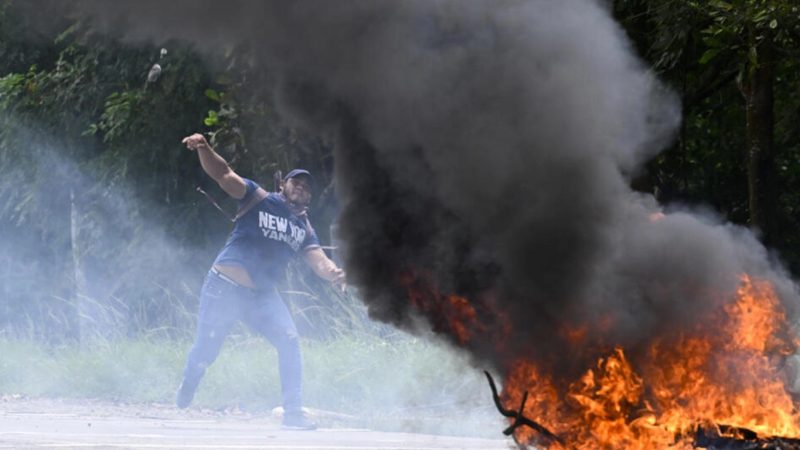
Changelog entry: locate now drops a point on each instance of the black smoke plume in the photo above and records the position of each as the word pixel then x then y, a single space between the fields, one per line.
pixel 487 148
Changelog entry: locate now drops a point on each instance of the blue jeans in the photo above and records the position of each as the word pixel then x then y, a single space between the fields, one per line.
pixel 222 304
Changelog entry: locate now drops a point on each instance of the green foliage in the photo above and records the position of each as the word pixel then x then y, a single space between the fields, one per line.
pixel 709 52
pixel 94 182
pixel 121 109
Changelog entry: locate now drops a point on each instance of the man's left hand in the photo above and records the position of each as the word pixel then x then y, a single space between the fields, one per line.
pixel 339 279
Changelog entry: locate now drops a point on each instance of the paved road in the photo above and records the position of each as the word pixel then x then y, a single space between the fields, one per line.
pixel 26 424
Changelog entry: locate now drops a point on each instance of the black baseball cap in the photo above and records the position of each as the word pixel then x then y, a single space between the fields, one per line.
pixel 299 172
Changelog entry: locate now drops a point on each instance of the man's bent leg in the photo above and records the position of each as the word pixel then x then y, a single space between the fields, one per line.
pixel 218 313
pixel 271 318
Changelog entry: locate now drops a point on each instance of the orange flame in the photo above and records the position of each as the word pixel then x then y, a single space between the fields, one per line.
pixel 726 375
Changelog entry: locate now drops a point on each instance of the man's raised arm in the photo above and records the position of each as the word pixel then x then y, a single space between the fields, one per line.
pixel 216 167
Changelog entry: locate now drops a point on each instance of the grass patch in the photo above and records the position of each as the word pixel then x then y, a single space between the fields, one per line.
pixel 400 383
pixel 139 371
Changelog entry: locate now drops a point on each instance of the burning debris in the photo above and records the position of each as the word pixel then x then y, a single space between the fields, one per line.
pixel 519 420
pixel 718 387
pixel 724 437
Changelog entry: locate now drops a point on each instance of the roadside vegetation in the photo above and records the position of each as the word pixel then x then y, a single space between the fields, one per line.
pixel 397 383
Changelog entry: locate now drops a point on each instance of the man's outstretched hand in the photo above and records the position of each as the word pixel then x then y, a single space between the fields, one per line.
pixel 195 141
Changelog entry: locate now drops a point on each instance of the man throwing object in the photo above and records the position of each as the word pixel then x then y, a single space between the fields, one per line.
pixel 269 230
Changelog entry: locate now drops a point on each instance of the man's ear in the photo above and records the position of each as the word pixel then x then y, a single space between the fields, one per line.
pixel 281 185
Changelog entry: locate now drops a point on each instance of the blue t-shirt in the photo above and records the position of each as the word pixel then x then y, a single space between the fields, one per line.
pixel 266 238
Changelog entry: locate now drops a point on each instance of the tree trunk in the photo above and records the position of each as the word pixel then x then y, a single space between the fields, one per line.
pixel 758 93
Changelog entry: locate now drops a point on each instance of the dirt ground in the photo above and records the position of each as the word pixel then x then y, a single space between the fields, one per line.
pixel 82 424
